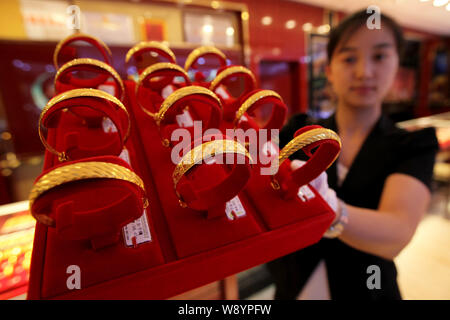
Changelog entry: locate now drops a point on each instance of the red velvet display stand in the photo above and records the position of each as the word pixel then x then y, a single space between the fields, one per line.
pixel 189 248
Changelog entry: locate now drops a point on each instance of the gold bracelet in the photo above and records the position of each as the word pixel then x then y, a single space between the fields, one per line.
pixel 76 93
pixel 179 94
pixel 81 171
pixel 302 140
pixel 202 152
pixel 154 68
pixel 96 63
pixel 200 51
pixel 251 100
pixel 231 71
pixel 75 36
pixel 149 44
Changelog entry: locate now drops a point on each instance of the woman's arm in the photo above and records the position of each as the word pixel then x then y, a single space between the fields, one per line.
pixel 386 231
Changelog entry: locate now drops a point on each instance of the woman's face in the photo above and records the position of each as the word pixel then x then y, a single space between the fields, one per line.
pixel 363 68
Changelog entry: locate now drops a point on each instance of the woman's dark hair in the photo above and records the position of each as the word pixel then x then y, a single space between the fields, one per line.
pixel 350 24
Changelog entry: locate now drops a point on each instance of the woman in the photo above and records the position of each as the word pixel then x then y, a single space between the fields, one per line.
pixel 381 179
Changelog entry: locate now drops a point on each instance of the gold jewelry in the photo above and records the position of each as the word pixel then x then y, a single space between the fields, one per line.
pixel 74 36
pixel 76 93
pixel 96 63
pixel 80 171
pixel 251 100
pixel 230 71
pixel 200 51
pixel 179 94
pixel 149 44
pixel 202 152
pixel 154 68
pixel 302 140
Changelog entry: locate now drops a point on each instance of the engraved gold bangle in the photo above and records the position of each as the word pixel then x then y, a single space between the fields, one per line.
pixel 76 93
pixel 81 171
pixel 179 94
pixel 231 71
pixel 302 140
pixel 200 51
pixel 251 100
pixel 71 38
pixel 152 69
pixel 96 63
pixel 149 45
pixel 202 152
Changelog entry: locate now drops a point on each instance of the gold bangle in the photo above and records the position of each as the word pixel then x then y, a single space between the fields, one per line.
pixel 302 140
pixel 200 51
pixel 74 36
pixel 202 152
pixel 154 68
pixel 76 93
pixel 179 94
pixel 307 138
pixel 96 63
pixel 81 171
pixel 230 71
pixel 149 44
pixel 251 100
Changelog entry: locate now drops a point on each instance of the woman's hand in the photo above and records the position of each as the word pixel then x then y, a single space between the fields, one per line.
pixel 321 185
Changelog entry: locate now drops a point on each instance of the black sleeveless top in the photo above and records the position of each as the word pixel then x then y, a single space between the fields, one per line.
pixel 386 150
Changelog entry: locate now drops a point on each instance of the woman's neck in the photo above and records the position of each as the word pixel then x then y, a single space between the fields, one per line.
pixel 354 120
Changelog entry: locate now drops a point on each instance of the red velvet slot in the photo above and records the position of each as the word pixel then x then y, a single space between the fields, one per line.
pixel 277 211
pixel 67 80
pixel 65 49
pixel 319 161
pixel 82 137
pixel 95 213
pixel 201 108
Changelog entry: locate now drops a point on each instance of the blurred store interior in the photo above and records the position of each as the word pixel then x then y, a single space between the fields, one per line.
pixel 282 42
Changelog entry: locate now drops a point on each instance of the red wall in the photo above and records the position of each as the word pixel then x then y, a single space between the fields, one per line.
pixel 290 42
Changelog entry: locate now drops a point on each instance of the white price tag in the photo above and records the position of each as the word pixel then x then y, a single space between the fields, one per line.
pixel 108 88
pixel 234 209
pixel 305 193
pixel 125 155
pixel 139 230
pixel 184 120
pixel 108 126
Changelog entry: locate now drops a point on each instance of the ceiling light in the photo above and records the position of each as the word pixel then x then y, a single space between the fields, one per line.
pixel 439 3
pixel 307 27
pixel 290 24
pixel 244 15
pixel 207 28
pixel 229 31
pixel 267 20
pixel 448 7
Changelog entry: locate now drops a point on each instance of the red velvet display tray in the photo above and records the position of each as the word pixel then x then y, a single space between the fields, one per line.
pixel 179 258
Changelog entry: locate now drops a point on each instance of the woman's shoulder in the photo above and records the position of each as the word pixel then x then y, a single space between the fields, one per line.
pixel 414 140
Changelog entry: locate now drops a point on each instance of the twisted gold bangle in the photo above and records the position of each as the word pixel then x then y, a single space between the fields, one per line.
pixel 203 152
pixel 76 93
pixel 302 140
pixel 71 37
pixel 80 171
pixel 251 100
pixel 179 94
pixel 200 51
pixel 154 68
pixel 96 63
pixel 228 72
pixel 149 44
